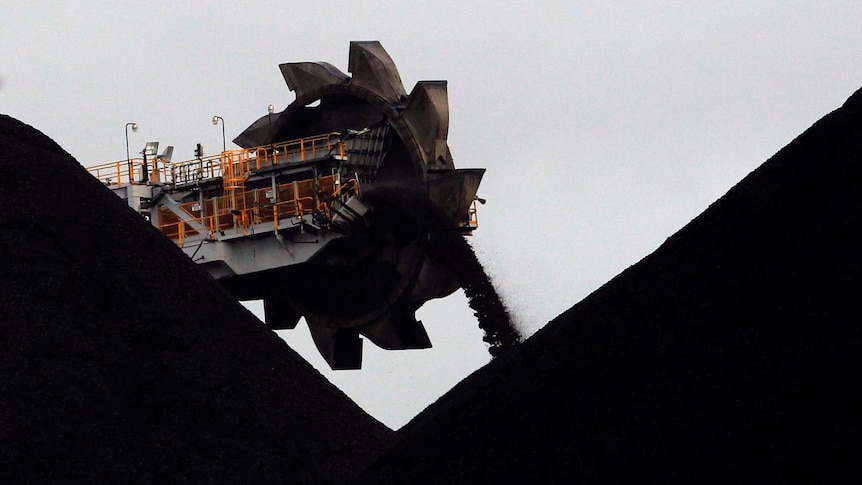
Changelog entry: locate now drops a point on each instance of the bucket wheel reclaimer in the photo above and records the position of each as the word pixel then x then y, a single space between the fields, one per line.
pixel 370 281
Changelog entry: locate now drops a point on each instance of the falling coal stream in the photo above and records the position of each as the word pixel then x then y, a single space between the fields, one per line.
pixel 493 317
pixel 447 246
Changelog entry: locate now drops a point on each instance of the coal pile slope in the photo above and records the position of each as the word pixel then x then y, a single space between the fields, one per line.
pixel 121 362
pixel 730 354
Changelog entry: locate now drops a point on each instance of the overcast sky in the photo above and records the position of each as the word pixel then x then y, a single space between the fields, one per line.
pixel 604 126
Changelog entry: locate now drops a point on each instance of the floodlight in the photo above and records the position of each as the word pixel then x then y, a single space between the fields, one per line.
pixel 151 149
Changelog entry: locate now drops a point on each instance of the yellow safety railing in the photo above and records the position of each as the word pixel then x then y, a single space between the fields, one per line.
pixel 299 150
pixel 125 172
pixel 241 208
pixel 235 168
pixel 473 216
pixel 237 207
pixel 233 165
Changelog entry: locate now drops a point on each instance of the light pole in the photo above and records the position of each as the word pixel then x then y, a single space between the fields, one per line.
pixel 223 142
pixel 128 157
pixel 270 109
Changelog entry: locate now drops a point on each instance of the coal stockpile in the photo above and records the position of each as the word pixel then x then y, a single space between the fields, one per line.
pixel 729 355
pixel 120 361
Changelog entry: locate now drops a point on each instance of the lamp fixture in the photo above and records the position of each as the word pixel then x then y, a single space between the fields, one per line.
pixel 216 119
pixel 151 149
pixel 134 127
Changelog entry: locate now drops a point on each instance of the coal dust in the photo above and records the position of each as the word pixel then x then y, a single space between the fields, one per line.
pixel 493 317
pixel 446 246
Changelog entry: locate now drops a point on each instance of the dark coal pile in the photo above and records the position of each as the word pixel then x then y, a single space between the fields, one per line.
pixel 729 355
pixel 121 362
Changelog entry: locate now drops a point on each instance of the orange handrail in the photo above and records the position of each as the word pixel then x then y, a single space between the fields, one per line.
pixel 238 207
pixel 235 163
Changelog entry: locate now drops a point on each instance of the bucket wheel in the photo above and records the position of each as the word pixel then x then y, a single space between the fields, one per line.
pixel 370 282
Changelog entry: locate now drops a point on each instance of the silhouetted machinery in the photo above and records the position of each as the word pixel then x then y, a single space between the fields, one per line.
pixel 329 209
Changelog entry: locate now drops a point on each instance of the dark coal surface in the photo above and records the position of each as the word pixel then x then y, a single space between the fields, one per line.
pixel 121 362
pixel 729 355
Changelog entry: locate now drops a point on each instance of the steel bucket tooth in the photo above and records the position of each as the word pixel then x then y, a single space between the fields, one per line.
pixel 279 314
pixel 397 332
pixel 341 348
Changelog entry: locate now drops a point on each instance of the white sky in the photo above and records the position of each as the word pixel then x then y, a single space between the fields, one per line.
pixel 604 126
